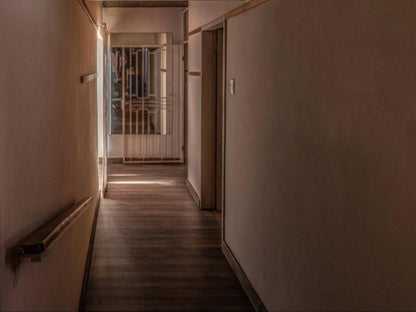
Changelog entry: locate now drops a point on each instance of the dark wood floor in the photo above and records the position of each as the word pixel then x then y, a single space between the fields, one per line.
pixel 155 250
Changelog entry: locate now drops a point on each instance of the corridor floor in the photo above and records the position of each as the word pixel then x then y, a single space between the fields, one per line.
pixel 154 250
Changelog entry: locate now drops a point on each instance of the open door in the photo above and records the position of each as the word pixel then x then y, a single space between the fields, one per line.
pixel 219 120
pixel 212 119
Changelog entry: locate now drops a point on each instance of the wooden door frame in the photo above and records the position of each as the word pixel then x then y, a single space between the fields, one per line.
pixel 208 114
pixel 216 24
pixel 106 85
pixel 219 124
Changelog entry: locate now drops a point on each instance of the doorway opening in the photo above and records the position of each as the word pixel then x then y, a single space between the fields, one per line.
pixel 146 98
pixel 100 112
pixel 212 119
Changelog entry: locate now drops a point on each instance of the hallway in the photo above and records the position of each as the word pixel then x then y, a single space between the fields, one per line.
pixel 295 118
pixel 154 250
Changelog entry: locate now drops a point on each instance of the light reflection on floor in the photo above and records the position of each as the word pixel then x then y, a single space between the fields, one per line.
pixel 167 182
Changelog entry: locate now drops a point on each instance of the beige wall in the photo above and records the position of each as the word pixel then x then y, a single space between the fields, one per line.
pixel 200 13
pixel 203 12
pixel 96 9
pixel 194 113
pixel 145 20
pixel 47 145
pixel 321 153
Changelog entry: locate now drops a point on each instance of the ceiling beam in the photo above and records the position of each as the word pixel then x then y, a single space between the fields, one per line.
pixel 146 4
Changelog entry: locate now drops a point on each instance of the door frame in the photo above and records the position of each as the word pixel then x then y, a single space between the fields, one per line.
pixel 102 102
pixel 106 70
pixel 213 25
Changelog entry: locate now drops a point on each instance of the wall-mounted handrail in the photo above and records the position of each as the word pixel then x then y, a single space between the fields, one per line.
pixel 89 77
pixel 36 245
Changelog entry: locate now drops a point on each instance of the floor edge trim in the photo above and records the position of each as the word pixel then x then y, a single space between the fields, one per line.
pixel 84 290
pixel 242 277
pixel 193 192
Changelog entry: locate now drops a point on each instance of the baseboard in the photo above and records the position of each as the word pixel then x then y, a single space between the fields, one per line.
pixel 89 258
pixel 242 277
pixel 114 160
pixel 194 194
pixel 148 160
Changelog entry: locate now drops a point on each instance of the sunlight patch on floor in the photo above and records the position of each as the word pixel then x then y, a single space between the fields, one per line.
pixel 168 183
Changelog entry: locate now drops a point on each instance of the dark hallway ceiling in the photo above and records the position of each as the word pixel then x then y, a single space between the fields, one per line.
pixel 145 3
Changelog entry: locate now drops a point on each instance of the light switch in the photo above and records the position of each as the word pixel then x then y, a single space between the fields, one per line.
pixel 232 86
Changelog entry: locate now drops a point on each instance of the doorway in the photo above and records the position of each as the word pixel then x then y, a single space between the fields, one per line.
pixel 212 119
pixel 146 86
pixel 101 163
pixel 146 110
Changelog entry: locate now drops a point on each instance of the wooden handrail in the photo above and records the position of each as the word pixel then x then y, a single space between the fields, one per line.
pixel 89 77
pixel 36 245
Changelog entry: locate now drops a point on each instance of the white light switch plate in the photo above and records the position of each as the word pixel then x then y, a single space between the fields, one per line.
pixel 232 86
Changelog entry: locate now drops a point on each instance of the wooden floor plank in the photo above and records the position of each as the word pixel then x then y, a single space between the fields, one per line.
pixel 155 250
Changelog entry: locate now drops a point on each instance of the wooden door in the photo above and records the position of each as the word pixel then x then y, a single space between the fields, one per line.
pixel 212 119
pixel 219 120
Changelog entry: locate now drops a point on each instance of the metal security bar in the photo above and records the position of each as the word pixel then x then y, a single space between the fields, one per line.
pixel 151 103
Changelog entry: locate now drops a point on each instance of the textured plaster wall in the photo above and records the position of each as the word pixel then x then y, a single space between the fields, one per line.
pixel 48 146
pixel 321 153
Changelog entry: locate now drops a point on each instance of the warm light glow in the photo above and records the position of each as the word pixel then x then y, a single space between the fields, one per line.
pixel 99 35
pixel 124 175
pixel 142 182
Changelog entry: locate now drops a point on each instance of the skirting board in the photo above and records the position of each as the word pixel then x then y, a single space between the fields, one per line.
pixel 194 194
pixel 89 259
pixel 114 160
pixel 242 277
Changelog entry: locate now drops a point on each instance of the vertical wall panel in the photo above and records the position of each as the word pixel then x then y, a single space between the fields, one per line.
pixel 48 145
pixel 321 153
